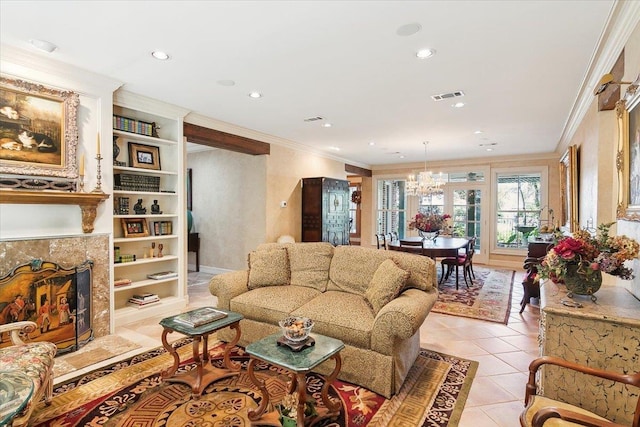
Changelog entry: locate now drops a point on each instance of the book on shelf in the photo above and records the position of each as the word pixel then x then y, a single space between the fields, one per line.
pixel 161 228
pixel 136 304
pixel 200 316
pixel 162 275
pixel 121 282
pixel 145 297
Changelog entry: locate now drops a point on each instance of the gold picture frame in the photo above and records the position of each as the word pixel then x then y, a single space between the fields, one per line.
pixel 628 157
pixel 144 156
pixel 134 227
pixel 569 189
pixel 38 130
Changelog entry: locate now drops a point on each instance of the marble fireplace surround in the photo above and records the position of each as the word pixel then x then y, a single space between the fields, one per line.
pixel 68 251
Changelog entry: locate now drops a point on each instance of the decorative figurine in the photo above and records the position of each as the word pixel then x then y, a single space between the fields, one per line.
pixel 155 208
pixel 138 209
pixel 152 249
pixel 160 247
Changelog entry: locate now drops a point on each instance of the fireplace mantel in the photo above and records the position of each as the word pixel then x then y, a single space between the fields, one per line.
pixel 88 202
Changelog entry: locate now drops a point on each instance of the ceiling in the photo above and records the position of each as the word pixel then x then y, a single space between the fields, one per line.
pixel 520 64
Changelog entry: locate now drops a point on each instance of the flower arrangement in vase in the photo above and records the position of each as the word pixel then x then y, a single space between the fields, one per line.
pixel 428 224
pixel 579 261
pixel 288 409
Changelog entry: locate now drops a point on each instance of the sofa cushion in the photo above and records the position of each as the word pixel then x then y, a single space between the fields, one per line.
pixel 386 285
pixel 309 262
pixel 273 303
pixel 340 315
pixel 268 268
pixel 422 269
pixel 353 267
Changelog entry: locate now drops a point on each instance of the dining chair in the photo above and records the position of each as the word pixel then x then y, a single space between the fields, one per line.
pixel 381 242
pixel 462 260
pixel 539 409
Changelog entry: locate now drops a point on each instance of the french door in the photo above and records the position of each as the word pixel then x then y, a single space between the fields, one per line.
pixel 465 202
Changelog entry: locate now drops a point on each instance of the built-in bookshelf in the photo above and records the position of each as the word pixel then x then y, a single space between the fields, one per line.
pixel 149 207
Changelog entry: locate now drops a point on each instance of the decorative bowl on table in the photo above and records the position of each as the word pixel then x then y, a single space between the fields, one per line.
pixel 296 329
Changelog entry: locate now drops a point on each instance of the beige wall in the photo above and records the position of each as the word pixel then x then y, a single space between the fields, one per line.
pixel 228 206
pixel 597 140
pixel 285 168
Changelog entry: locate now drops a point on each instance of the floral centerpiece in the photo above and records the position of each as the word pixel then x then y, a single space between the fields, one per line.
pixel 580 260
pixel 428 222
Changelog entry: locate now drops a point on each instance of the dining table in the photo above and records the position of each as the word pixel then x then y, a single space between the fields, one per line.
pixel 442 247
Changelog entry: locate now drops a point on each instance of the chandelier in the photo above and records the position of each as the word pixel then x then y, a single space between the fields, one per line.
pixel 424 184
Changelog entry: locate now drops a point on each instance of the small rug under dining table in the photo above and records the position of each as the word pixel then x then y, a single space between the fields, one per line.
pixel 487 298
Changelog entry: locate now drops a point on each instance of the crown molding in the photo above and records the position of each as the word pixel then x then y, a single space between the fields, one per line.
pixel 25 65
pixel 622 21
pixel 124 98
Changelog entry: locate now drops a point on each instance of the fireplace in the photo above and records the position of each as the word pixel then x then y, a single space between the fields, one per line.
pixel 58 299
pixel 89 254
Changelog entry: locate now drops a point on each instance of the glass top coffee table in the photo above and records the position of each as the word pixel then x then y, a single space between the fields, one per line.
pixel 299 364
pixel 16 389
pixel 204 373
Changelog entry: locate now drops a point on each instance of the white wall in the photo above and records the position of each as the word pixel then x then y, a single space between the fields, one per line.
pixel 94 115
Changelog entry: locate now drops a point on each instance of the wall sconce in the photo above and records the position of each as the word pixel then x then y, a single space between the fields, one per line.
pixel 604 82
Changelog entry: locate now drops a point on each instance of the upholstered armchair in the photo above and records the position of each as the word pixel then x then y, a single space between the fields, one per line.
pixel 35 359
pixel 539 409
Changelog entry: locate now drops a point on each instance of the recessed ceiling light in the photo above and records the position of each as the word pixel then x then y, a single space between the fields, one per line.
pixel 408 29
pixel 255 95
pixel 158 54
pixel 478 132
pixel 226 82
pixel 334 148
pixel 372 143
pixel 402 156
pixel 43 45
pixel 489 149
pixel 458 105
pixel 425 53
pixel 326 125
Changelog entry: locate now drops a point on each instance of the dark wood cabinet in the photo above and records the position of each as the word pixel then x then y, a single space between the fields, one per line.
pixel 325 210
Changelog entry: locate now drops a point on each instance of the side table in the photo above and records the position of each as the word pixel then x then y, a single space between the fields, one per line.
pixel 16 389
pixel 203 374
pixel 299 364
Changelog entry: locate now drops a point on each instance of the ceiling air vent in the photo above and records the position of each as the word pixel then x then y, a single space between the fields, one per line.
pixel 447 95
pixel 313 119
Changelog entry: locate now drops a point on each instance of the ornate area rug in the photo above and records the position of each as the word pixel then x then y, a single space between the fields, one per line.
pixel 489 298
pixel 132 393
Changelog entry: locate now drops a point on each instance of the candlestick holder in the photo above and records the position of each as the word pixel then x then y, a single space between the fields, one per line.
pixel 80 183
pixel 98 188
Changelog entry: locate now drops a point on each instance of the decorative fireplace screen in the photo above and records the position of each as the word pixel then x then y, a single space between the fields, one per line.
pixel 56 298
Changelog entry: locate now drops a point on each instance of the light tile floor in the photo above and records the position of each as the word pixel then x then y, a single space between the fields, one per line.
pixel 504 351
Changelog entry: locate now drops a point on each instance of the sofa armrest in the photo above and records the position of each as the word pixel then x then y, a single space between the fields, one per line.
pixel 227 286
pixel 401 318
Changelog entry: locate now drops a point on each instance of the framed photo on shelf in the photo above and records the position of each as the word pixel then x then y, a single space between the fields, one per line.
pixel 628 158
pixel 569 189
pixel 144 156
pixel 39 130
pixel 134 227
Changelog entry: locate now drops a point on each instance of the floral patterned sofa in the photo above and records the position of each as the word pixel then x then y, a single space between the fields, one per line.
pixel 374 301
pixel 33 359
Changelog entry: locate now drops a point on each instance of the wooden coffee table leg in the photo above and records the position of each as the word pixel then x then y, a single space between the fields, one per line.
pixel 302 397
pixel 258 417
pixel 234 366
pixel 172 351
pixel 331 405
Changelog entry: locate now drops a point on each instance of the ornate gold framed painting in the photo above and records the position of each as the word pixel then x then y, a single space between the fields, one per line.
pixel 628 158
pixel 38 130
pixel 569 189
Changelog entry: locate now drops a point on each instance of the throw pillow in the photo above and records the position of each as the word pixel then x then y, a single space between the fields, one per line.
pixel 268 268
pixel 386 284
